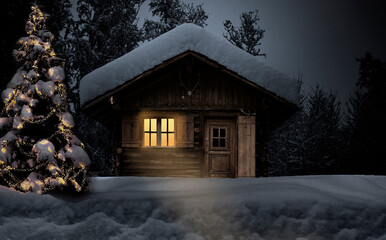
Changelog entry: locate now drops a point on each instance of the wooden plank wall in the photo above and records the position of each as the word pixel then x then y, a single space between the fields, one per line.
pixel 155 162
pixel 212 92
pixel 246 146
pixel 184 130
pixel 130 131
pixel 179 161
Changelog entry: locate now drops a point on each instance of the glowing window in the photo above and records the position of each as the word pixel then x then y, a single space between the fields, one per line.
pixel 158 132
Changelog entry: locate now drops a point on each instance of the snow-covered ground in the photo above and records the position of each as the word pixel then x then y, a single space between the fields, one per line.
pixel 315 207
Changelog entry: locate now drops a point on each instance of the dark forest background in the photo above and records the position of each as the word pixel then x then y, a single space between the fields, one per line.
pixel 320 138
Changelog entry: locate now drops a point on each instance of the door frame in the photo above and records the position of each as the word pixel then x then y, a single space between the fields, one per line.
pixel 230 149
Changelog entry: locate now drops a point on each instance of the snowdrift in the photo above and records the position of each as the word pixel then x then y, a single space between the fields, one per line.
pixel 312 207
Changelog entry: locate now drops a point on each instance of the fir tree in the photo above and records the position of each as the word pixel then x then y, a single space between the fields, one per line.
pixel 13 13
pixel 172 13
pixel 39 152
pixel 104 31
pixel 311 142
pixel 248 35
pixel 323 134
pixel 365 122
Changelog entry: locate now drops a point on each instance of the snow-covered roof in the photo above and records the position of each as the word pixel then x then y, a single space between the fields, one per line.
pixel 179 40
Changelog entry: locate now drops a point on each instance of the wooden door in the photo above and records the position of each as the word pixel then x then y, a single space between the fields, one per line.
pixel 219 148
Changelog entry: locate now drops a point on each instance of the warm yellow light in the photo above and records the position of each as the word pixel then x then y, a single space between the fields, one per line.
pixel 44 141
pixel 66 123
pixel 77 186
pixel 153 124
pixel 61 128
pixel 10 95
pixel 60 156
pixel 171 140
pixel 146 124
pixel 37 90
pixel 153 139
pixel 26 185
pixel 51 72
pixel 20 125
pixel 164 140
pixel 49 149
pixel 171 124
pixel 164 125
pixel 3 150
pixel 146 140
pixel 61 181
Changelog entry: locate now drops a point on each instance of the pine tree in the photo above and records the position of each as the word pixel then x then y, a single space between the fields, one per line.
pixel 104 31
pixel 365 122
pixel 172 13
pixel 311 142
pixel 39 152
pixel 248 36
pixel 13 13
pixel 323 134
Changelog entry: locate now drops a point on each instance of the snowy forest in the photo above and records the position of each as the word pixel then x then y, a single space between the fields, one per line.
pixel 324 137
pixel 48 145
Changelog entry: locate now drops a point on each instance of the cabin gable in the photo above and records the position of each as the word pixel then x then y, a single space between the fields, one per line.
pixel 189 83
pixel 191 117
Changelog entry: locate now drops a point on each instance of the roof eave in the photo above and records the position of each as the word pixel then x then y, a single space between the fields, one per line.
pixel 203 58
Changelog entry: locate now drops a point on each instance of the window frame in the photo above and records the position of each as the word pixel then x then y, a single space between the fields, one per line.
pixel 226 137
pixel 159 131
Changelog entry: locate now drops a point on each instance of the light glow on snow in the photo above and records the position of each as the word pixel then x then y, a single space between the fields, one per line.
pixel 19 126
pixel 56 74
pixel 310 207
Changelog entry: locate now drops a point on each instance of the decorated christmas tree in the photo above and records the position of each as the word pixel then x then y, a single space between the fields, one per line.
pixel 39 152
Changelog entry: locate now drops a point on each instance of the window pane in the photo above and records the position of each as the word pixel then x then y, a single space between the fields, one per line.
pixel 171 124
pixel 146 140
pixel 164 139
pixel 146 124
pixel 222 142
pixel 222 132
pixel 153 139
pixel 153 125
pixel 215 132
pixel 164 125
pixel 215 142
pixel 171 140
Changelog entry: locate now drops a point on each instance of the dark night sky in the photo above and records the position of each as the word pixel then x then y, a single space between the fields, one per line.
pixel 319 38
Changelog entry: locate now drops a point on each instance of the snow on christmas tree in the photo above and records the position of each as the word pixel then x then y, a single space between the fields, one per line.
pixel 39 152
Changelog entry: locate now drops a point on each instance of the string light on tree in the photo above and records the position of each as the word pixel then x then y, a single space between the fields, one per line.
pixel 39 152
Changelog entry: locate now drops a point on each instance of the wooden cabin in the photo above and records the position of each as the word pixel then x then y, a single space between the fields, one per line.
pixel 190 116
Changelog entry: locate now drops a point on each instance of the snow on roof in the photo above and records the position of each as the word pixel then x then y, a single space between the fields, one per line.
pixel 179 40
